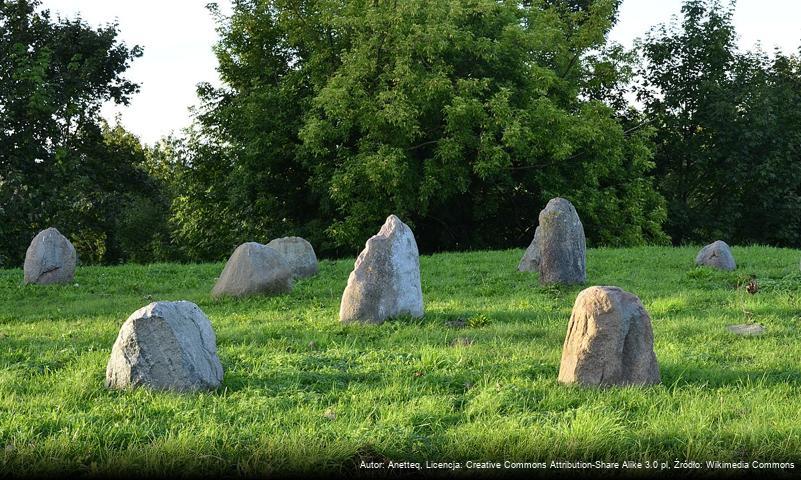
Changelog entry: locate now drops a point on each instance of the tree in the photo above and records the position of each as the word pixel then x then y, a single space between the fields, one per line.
pixel 726 147
pixel 462 117
pixel 56 167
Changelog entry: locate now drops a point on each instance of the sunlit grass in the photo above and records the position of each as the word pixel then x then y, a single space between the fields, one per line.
pixel 303 393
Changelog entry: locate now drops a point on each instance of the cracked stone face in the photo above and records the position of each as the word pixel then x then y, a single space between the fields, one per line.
pixel 165 346
pixel 609 341
pixel 50 259
pixel 716 255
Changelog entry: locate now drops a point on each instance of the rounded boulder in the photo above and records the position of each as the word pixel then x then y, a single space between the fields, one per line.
pixel 50 259
pixel 609 341
pixel 254 269
pixel 165 346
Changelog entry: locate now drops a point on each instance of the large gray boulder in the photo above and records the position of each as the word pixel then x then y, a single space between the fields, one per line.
pixel 298 253
pixel 716 255
pixel 385 281
pixel 254 269
pixel 559 249
pixel 50 258
pixel 609 341
pixel 165 346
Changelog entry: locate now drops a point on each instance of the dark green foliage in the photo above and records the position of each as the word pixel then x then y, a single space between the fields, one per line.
pixel 728 131
pixel 56 167
pixel 463 118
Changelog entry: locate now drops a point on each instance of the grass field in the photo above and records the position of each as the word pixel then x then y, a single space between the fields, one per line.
pixel 302 393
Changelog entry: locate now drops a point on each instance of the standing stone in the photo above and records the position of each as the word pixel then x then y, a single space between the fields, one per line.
pixel 559 248
pixel 531 259
pixel 50 259
pixel 609 341
pixel 716 255
pixel 298 253
pixel 254 269
pixel 385 281
pixel 165 346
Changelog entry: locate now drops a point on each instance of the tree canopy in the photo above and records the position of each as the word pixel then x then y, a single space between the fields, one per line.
pixel 59 165
pixel 462 117
pixel 728 130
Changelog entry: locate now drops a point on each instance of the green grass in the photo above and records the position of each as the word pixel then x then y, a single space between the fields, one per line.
pixel 303 393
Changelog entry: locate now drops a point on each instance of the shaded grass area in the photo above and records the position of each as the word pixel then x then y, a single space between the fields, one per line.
pixel 303 393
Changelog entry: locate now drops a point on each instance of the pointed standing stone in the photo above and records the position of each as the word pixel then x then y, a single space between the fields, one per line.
pixel 50 258
pixel 609 341
pixel 385 281
pixel 559 248
pixel 716 255
pixel 165 346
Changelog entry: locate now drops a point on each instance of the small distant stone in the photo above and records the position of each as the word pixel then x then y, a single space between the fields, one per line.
pixel 716 255
pixel 50 259
pixel 298 253
pixel 462 342
pixel 531 259
pixel 254 269
pixel 747 329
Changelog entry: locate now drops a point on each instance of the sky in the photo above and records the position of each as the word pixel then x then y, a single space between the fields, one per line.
pixel 178 35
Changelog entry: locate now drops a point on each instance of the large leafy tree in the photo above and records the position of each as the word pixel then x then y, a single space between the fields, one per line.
pixel 463 117
pixel 56 166
pixel 727 123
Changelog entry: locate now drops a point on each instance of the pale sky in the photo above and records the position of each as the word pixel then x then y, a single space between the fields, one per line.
pixel 177 36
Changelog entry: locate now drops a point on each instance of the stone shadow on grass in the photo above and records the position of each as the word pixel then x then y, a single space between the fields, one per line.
pixel 676 376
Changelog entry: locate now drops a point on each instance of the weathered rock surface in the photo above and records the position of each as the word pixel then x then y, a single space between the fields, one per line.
pixel 50 258
pixel 716 255
pixel 165 346
pixel 531 259
pixel 385 281
pixel 559 248
pixel 609 341
pixel 298 253
pixel 254 269
pixel 747 329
